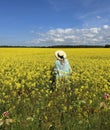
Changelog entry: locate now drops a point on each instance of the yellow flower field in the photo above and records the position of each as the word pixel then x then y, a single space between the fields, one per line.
pixel 79 103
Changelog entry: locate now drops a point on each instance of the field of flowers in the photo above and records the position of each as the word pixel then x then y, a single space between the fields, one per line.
pixel 27 101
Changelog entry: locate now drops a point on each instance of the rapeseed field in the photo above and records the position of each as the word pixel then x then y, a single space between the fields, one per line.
pixel 81 102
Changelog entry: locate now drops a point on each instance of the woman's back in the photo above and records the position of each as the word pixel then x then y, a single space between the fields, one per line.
pixel 62 68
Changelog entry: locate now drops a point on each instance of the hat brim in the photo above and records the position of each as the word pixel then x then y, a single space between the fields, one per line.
pixel 58 52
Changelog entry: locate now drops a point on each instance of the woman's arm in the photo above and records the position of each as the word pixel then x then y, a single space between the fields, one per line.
pixel 56 68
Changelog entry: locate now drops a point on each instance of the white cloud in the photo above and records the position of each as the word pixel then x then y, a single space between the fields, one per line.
pixel 69 30
pixel 58 39
pixel 94 30
pixel 98 17
pixel 71 36
pixel 105 26
pixel 88 35
pixel 95 39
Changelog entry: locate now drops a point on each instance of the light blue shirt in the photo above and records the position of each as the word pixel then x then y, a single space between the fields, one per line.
pixel 62 70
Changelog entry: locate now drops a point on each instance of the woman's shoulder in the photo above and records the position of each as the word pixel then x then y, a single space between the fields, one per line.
pixel 66 60
pixel 57 62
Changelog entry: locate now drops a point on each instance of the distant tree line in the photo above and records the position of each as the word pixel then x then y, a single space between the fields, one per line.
pixel 81 46
pixel 107 46
pixel 59 46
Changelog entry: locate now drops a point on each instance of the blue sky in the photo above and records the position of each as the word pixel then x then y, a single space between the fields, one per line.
pixel 54 22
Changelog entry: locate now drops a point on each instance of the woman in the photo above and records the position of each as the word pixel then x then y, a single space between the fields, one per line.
pixel 62 67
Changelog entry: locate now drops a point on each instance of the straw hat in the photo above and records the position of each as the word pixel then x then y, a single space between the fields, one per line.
pixel 60 55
